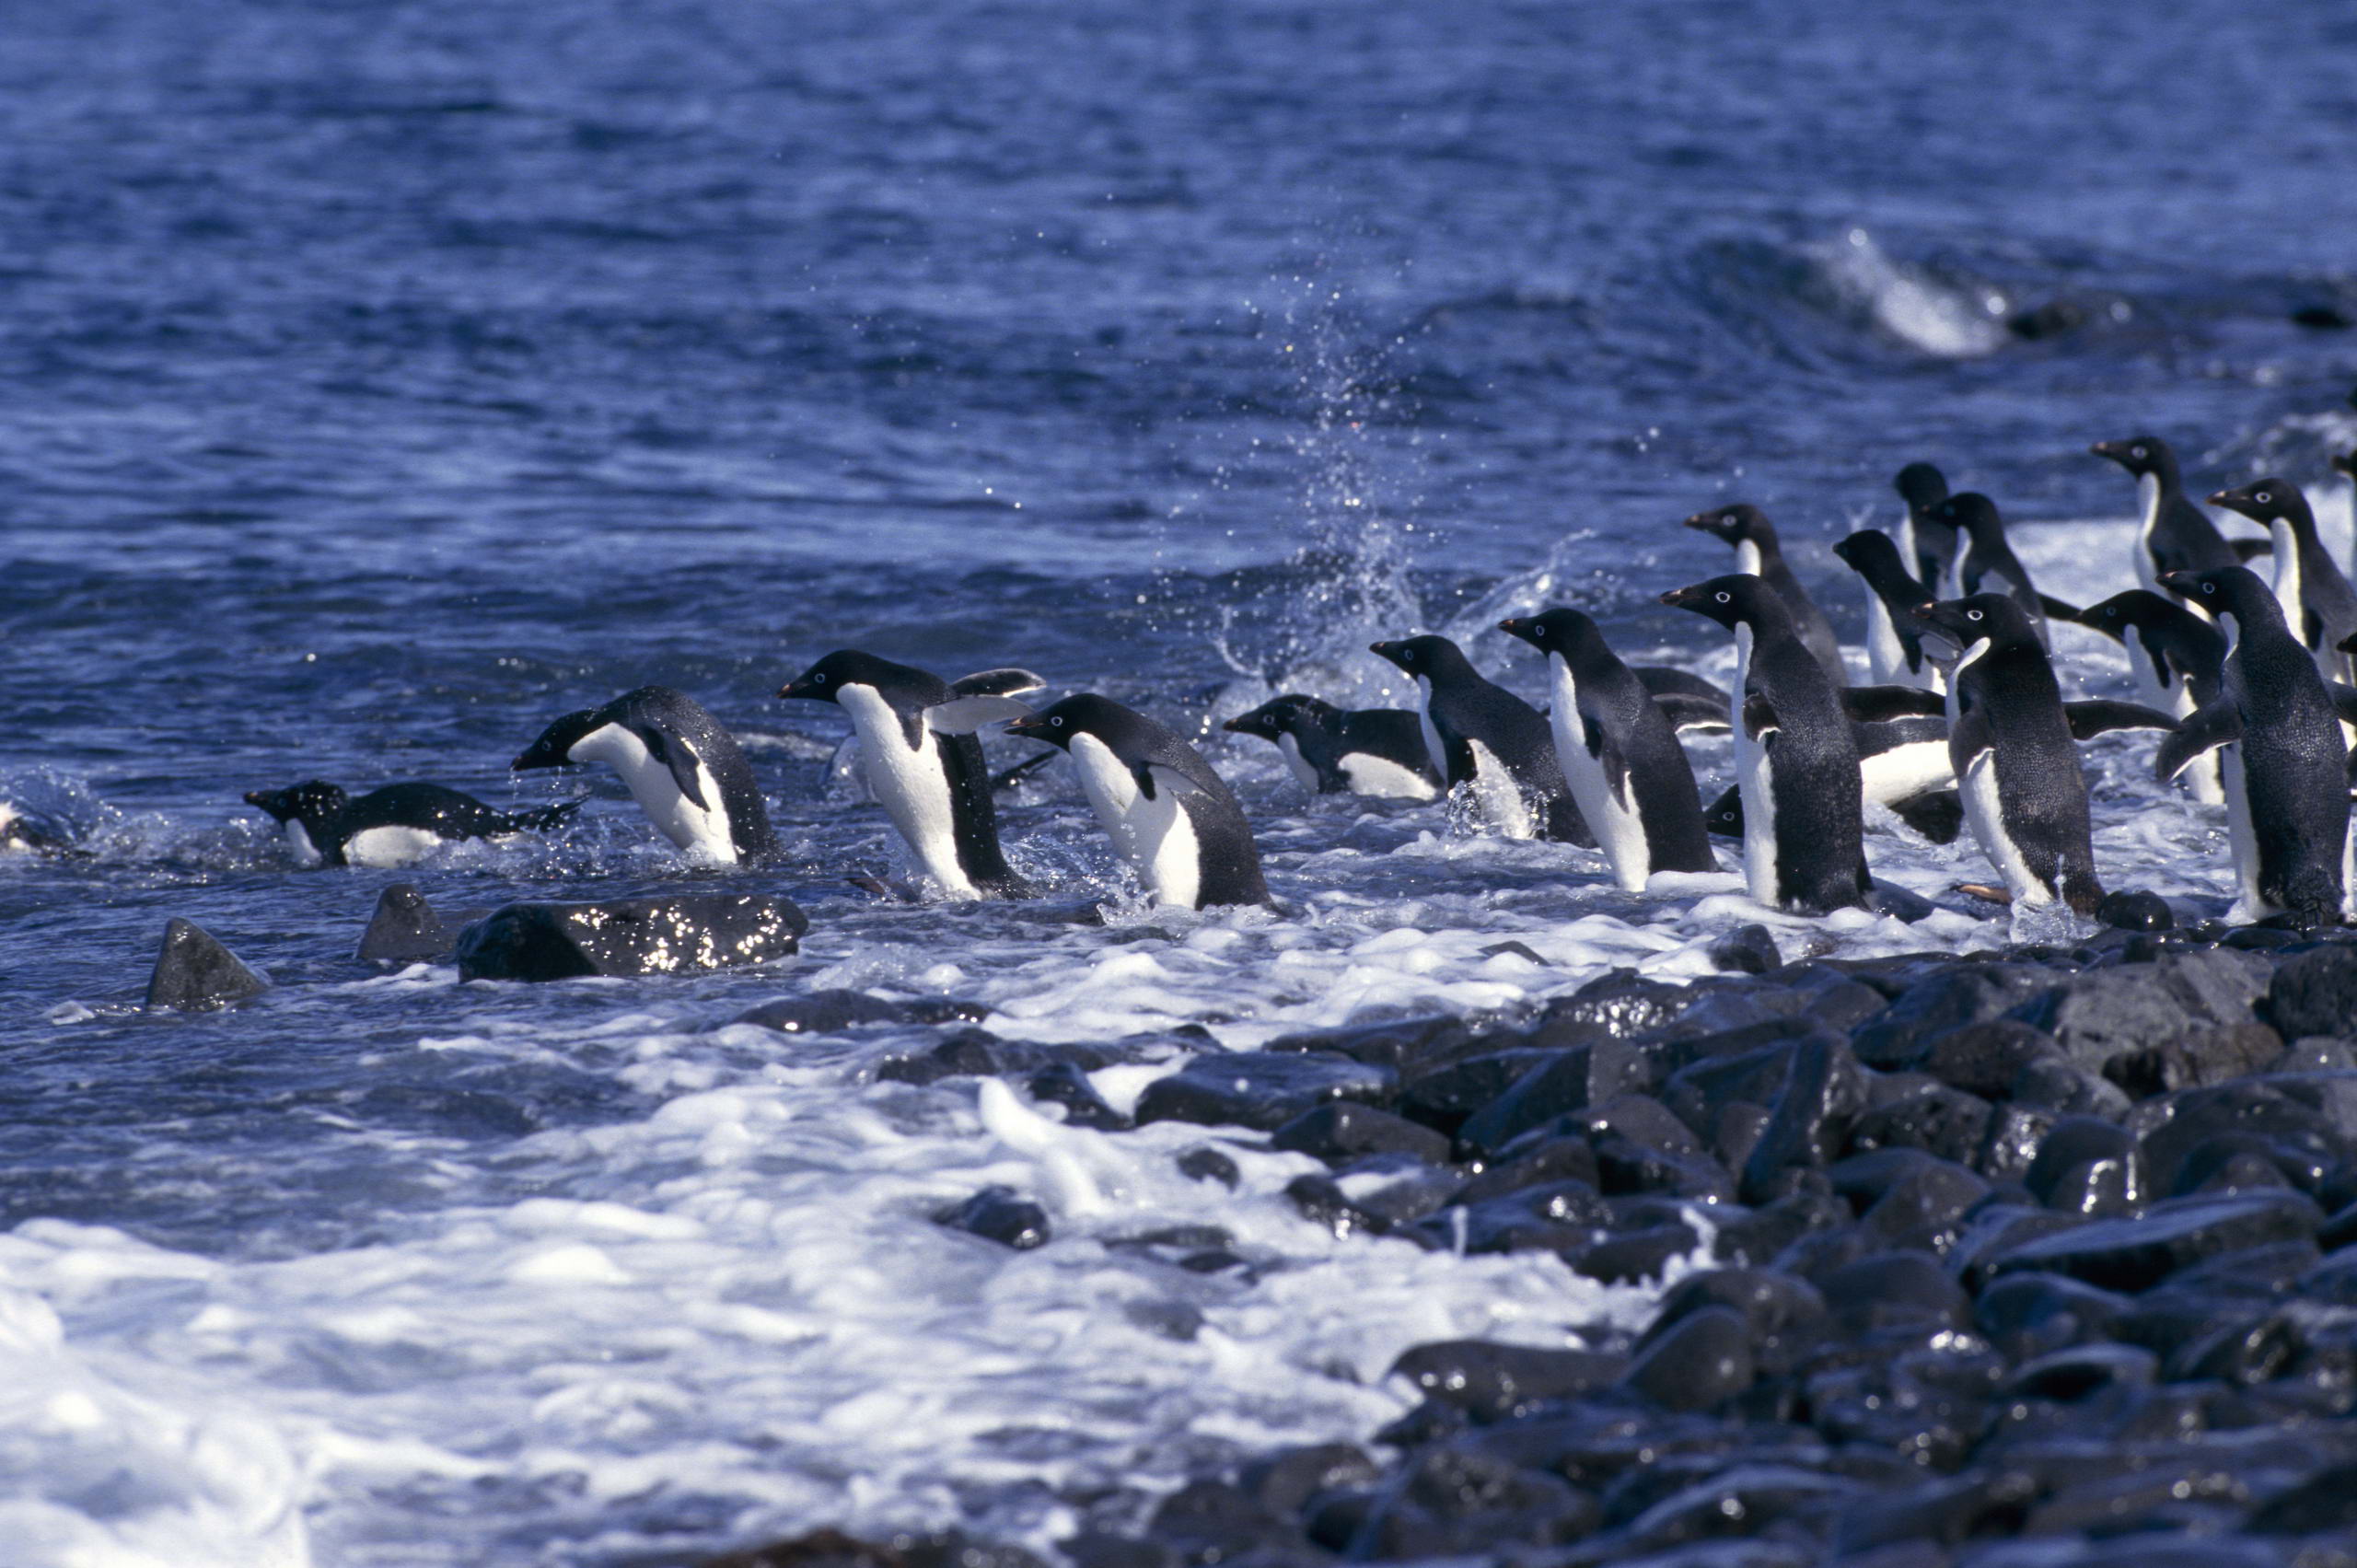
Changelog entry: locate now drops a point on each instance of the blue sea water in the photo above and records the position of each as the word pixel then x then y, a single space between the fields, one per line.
pixel 379 381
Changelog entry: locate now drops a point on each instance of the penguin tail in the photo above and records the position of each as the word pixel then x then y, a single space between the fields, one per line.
pixel 547 818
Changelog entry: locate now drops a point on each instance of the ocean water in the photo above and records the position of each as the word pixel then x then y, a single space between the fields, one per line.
pixel 379 381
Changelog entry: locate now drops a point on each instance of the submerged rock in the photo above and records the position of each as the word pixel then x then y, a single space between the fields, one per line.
pixel 405 930
pixel 194 974
pixel 630 937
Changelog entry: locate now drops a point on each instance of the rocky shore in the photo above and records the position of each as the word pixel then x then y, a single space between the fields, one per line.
pixel 2013 1260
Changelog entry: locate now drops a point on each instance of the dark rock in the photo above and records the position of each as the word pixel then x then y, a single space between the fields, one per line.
pixel 824 1012
pixel 1748 950
pixel 1558 1216
pixel 1494 1382
pixel 2015 1135
pixel 1064 1084
pixel 2135 1254
pixel 1987 1058
pixel 995 1213
pixel 1619 1004
pixel 1625 1168
pixel 1810 1120
pixel 2245 1349
pixel 1782 1315
pixel 1444 1097
pixel 1343 1130
pixel 1919 1521
pixel 1200 1164
pixel 2129 910
pixel 1260 1089
pixel 2325 1501
pixel 1554 1159
pixel 1285 1482
pixel 2086 1167
pixel 1925 1208
pixel 630 937
pixel 944 1010
pixel 1409 1047
pixel 1745 1500
pixel 404 930
pixel 963 1054
pixel 2029 1315
pixel 1211 1522
pixel 1939 1120
pixel 1447 1502
pixel 2098 1014
pixel 2314 993
pixel 2072 1375
pixel 1949 998
pixel 1632 1257
pixel 1555 1086
pixel 1894 1290
pixel 1700 1362
pixel 194 974
pixel 832 1549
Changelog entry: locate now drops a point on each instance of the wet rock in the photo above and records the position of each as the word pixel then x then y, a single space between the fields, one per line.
pixel 1748 950
pixel 823 1012
pixel 404 930
pixel 1343 1130
pixel 2325 1501
pixel 997 1214
pixel 1557 1084
pixel 1448 1502
pixel 1444 1098
pixel 1924 1208
pixel 2089 1166
pixel 1543 1160
pixel 1949 998
pixel 1559 1216
pixel 1895 1290
pixel 1211 1522
pixel 1620 1004
pixel 1633 1257
pixel 194 974
pixel 970 1053
pixel 1409 1047
pixel 2135 1254
pixel 2314 993
pixel 2098 1014
pixel 1699 1363
pixel 2074 1374
pixel 2129 910
pixel 1286 1481
pixel 1209 1165
pixel 678 934
pixel 2030 1315
pixel 1625 1167
pixel 1945 1122
pixel 832 1549
pixel 1491 1382
pixel 1260 1089
pixel 1811 1117
pixel 1744 1500
pixel 1066 1084
pixel 1783 1316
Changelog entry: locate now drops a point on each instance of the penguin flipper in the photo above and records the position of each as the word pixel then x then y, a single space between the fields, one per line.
pixel 1608 756
pixel 1874 704
pixel 1007 682
pixel 2204 729
pixel 2058 609
pixel 675 755
pixel 2344 697
pixel 963 716
pixel 1686 711
pixel 1760 716
pixel 2094 715
pixel 2248 550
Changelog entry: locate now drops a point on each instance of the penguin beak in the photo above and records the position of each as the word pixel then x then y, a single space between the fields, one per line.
pixel 1704 522
pixel 253 796
pixel 795 689
pixel 1030 727
pixel 2111 449
pixel 2179 582
pixel 1516 626
pixel 1233 726
pixel 1684 599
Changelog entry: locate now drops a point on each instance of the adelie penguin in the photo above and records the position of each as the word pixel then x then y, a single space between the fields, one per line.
pixel 1377 752
pixel 920 760
pixel 396 825
pixel 1894 652
pixel 2320 606
pixel 1986 553
pixel 2280 754
pixel 1796 761
pixel 2175 657
pixel 2016 765
pixel 1757 554
pixel 1620 758
pixel 686 771
pixel 1482 736
pixel 2172 533
pixel 1172 817
pixel 1928 547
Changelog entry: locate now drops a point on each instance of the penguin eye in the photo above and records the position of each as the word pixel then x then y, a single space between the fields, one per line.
pixel 817 680
pixel 2262 498
pixel 1055 723
pixel 1726 598
pixel 1972 615
pixel 2135 451
pixel 2209 587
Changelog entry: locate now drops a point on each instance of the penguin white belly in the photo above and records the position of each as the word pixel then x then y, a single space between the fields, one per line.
pixel 1747 557
pixel 911 784
pixel 1498 800
pixel 299 839
pixel 1156 836
pixel 2242 837
pixel 1756 785
pixel 388 847
pixel 2148 504
pixel 1619 832
pixel 1886 656
pixel 1432 747
pixel 1984 812
pixel 1384 779
pixel 1304 775
pixel 1905 771
pixel 2287 585
pixel 701 831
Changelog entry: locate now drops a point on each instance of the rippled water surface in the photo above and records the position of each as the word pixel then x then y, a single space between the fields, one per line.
pixel 379 381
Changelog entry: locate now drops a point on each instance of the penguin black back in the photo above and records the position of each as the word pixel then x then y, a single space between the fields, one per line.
pixel 2320 606
pixel 1987 553
pixel 1759 554
pixel 1894 650
pixel 2172 533
pixel 1931 556
pixel 1471 718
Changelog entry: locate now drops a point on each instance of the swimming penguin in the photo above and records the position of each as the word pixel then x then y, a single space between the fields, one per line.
pixel 393 826
pixel 1756 553
pixel 24 832
pixel 1483 737
pixel 2172 533
pixel 1894 652
pixel 2010 746
pixel 2175 655
pixel 1378 752
pixel 1928 547
pixel 1164 810
pixel 2320 606
pixel 1987 554
pixel 1796 761
pixel 686 771
pixel 919 759
pixel 2282 759
pixel 1620 759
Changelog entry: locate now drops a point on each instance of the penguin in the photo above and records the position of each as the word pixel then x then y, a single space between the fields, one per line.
pixel 1619 757
pixel 919 759
pixel 1928 547
pixel 1166 810
pixel 2172 533
pixel 2011 749
pixel 1757 554
pixel 1796 761
pixel 686 772
pixel 393 826
pixel 1987 554
pixel 2320 606
pixel 1894 653
pixel 2175 655
pixel 2282 759
pixel 1902 766
pixel 1482 736
pixel 1378 752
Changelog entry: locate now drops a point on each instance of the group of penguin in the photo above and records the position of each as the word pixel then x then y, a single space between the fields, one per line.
pixel 1962 728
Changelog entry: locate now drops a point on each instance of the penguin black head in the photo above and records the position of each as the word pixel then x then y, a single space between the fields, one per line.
pixel 554 748
pixel 1568 633
pixel 2264 500
pixel 1972 512
pixel 1281 715
pixel 2139 455
pixel 1993 617
pixel 316 801
pixel 1124 732
pixel 1921 486
pixel 1870 550
pixel 1428 655
pixel 1734 524
pixel 2228 592
pixel 848 667
pixel 2137 607
pixel 2345 464
pixel 1736 599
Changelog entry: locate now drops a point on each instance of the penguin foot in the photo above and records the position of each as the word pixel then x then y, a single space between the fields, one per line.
pixel 1985 892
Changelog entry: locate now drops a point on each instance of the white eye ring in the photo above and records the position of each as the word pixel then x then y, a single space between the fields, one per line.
pixel 2263 498
pixel 2136 451
pixel 1725 599
pixel 817 680
pixel 1972 615
pixel 1056 724
pixel 2209 587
